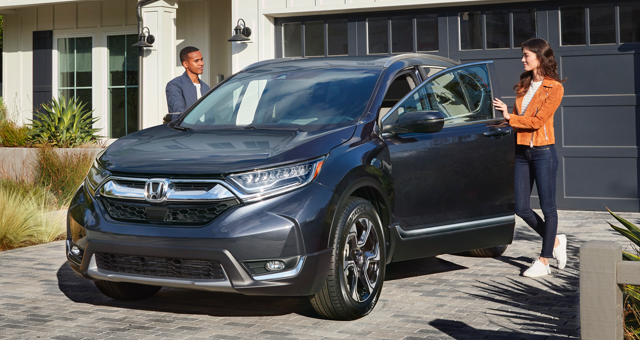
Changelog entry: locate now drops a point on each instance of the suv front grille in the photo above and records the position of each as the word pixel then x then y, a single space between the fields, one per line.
pixel 160 266
pixel 169 214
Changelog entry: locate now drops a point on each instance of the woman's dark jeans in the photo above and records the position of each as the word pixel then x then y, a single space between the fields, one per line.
pixel 539 164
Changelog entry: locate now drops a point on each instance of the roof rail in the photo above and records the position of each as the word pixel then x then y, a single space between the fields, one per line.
pixel 418 55
pixel 267 62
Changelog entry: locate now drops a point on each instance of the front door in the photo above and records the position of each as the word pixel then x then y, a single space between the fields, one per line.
pixel 463 172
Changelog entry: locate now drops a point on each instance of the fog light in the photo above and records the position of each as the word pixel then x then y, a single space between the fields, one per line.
pixel 274 266
pixel 75 251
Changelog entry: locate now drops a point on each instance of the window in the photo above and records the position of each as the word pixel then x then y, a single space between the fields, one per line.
pixel 498 29
pixel 470 30
pixel 377 35
pixel 122 85
pixel 462 95
pixel 524 25
pixel 629 23
pixel 399 88
pixel 74 67
pixel 321 38
pixel 572 25
pixel 602 21
pixel 402 34
pixel 292 39
pixel 314 39
pixel 337 36
pixel 427 32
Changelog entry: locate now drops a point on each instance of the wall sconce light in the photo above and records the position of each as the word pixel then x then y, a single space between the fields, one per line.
pixel 241 33
pixel 145 39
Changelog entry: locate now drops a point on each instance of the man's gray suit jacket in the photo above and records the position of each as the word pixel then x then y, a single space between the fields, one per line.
pixel 181 93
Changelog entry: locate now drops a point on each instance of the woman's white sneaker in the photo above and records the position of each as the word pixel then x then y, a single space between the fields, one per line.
pixel 560 252
pixel 537 269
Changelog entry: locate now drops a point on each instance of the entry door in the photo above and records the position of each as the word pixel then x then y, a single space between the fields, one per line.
pixel 463 172
pixel 122 85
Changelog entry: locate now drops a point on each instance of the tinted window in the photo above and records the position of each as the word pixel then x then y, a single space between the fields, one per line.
pixel 338 40
pixel 572 25
pixel 524 25
pixel 462 95
pixel 304 99
pixel 427 32
pixel 470 30
pixel 402 34
pixel 498 29
pixel 377 34
pixel 602 24
pixel 292 39
pixel 629 23
pixel 314 38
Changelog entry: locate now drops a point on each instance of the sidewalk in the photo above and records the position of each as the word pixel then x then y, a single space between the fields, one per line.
pixel 446 297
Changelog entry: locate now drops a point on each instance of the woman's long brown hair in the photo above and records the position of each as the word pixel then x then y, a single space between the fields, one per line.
pixel 548 65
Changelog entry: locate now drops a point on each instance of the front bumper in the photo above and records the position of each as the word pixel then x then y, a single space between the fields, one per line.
pixel 286 227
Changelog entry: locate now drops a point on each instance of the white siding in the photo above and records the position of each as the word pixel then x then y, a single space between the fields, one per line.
pixel 66 19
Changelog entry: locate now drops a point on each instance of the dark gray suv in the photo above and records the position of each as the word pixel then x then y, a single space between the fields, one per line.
pixel 302 177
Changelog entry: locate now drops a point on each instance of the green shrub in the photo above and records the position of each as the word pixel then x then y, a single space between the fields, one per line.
pixel 62 173
pixel 64 124
pixel 25 222
pixel 631 293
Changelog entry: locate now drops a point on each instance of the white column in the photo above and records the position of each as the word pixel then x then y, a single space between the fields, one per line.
pixel 159 61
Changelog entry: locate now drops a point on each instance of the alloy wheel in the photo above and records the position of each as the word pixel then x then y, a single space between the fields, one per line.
pixel 361 260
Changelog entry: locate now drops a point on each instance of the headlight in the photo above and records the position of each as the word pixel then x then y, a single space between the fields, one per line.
pixel 290 176
pixel 96 176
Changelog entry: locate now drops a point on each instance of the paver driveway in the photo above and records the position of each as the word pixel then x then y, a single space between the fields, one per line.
pixel 436 298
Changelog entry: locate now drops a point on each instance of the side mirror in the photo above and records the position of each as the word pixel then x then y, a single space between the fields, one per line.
pixel 420 122
pixel 169 117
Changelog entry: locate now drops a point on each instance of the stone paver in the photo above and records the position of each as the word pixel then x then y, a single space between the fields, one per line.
pixel 445 297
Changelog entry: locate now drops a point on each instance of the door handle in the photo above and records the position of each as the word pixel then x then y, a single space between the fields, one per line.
pixel 497 133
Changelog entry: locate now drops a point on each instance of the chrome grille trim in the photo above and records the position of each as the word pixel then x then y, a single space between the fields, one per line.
pixel 115 188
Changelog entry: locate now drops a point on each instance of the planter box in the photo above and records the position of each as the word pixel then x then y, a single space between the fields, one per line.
pixel 18 162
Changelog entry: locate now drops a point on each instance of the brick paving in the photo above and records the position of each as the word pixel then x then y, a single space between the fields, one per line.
pixel 445 297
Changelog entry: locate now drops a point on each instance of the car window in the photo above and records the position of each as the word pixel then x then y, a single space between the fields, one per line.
pixel 399 88
pixel 462 95
pixel 304 99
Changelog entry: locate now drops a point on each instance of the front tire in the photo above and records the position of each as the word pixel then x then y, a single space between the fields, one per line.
pixel 126 291
pixel 352 287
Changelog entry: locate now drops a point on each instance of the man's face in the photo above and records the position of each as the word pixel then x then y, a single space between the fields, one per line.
pixel 194 64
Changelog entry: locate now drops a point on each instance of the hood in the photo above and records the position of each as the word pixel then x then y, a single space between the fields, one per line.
pixel 163 150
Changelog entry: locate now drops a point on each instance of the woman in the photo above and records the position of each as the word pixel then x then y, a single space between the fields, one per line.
pixel 538 95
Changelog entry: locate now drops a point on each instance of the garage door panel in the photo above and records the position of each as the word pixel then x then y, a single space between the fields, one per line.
pixel 599 126
pixel 607 177
pixel 591 74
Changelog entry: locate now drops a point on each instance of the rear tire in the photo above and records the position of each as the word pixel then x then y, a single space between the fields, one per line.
pixel 352 287
pixel 487 252
pixel 126 291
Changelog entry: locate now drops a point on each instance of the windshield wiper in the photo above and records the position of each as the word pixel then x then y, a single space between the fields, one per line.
pixel 250 127
pixel 180 128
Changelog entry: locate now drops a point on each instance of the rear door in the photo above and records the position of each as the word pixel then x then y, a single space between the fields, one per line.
pixel 463 172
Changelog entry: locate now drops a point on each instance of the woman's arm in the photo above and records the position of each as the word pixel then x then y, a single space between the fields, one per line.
pixel 545 112
pixel 501 106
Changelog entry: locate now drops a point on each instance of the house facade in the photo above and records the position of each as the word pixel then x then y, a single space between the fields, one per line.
pixel 83 48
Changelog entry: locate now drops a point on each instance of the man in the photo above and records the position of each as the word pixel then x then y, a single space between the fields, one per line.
pixel 186 89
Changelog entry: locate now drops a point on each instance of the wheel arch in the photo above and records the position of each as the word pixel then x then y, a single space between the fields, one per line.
pixel 370 189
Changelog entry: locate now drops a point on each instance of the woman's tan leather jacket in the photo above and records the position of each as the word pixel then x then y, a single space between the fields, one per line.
pixel 535 128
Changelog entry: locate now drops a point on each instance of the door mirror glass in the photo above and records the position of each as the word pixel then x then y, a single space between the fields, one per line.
pixel 420 122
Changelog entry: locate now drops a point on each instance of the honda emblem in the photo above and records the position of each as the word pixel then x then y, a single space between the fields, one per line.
pixel 155 190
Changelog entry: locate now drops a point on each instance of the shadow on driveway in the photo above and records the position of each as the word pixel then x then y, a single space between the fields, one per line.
pixel 185 301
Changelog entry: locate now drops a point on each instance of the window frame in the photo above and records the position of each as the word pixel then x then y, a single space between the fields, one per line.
pixel 493 113
pixel 55 88
pixel 105 75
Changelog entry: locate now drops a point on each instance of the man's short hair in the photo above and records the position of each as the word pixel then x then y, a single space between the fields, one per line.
pixel 184 54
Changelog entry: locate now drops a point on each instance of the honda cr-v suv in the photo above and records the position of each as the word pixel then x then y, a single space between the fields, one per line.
pixel 302 177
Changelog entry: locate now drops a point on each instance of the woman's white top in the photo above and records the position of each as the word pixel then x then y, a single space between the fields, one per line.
pixel 527 97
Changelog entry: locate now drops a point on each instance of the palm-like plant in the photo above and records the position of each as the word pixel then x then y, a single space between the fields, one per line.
pixel 63 124
pixel 631 293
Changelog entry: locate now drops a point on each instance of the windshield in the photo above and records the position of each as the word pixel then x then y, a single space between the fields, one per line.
pixel 310 99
